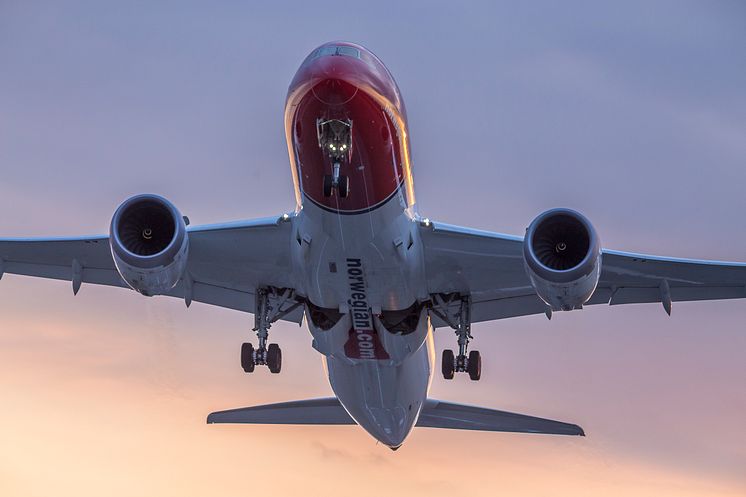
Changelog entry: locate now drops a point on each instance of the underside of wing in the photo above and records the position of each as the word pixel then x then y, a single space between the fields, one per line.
pixel 484 265
pixel 628 278
pixel 226 262
pixel 85 258
pixel 324 411
pixel 439 414
pixel 490 269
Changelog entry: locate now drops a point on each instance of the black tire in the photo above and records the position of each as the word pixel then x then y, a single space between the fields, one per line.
pixel 327 185
pixel 247 358
pixel 344 186
pixel 274 358
pixel 475 365
pixel 448 364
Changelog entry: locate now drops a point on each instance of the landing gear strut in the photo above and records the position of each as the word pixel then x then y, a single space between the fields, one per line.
pixel 271 304
pixel 460 321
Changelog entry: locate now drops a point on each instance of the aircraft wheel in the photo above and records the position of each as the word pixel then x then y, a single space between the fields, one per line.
pixel 274 358
pixel 247 357
pixel 475 365
pixel 328 184
pixel 344 186
pixel 448 364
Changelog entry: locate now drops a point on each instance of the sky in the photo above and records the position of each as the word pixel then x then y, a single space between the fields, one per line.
pixel 634 114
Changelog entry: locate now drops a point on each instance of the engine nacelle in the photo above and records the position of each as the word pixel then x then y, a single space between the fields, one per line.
pixel 149 243
pixel 562 253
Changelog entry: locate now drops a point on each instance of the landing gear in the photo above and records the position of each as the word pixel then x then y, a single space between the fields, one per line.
pixel 460 320
pixel 274 358
pixel 474 365
pixel 449 364
pixel 335 139
pixel 342 185
pixel 271 304
pixel 247 357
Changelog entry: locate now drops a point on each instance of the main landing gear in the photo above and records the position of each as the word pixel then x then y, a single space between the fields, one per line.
pixel 271 304
pixel 460 321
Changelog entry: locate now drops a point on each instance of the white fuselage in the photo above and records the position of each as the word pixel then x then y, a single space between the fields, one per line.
pixel 355 263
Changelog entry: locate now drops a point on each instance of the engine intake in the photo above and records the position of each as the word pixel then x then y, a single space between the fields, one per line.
pixel 149 243
pixel 562 253
pixel 146 227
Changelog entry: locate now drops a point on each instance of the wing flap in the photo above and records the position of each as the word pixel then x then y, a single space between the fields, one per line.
pixel 635 295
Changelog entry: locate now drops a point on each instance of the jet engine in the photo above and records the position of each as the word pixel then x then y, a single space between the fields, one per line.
pixel 562 253
pixel 149 243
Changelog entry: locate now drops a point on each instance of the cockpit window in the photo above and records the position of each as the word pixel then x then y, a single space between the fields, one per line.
pixel 335 50
pixel 325 51
pixel 349 51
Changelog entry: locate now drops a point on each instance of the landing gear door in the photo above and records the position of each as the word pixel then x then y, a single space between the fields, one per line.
pixel 329 335
pixel 401 344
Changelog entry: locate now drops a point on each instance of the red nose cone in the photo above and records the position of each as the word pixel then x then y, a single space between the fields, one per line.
pixel 334 92
pixel 334 79
pixel 351 88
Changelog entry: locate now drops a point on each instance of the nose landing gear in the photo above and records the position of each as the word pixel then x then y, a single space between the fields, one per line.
pixel 271 304
pixel 460 321
pixel 335 139
pixel 342 184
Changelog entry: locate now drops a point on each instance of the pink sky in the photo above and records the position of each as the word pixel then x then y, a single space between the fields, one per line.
pixel 635 116
pixel 103 393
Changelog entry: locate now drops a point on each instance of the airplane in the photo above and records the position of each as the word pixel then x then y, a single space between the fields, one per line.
pixel 371 277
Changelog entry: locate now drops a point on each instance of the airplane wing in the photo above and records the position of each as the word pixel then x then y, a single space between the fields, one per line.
pixel 227 262
pixel 489 267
